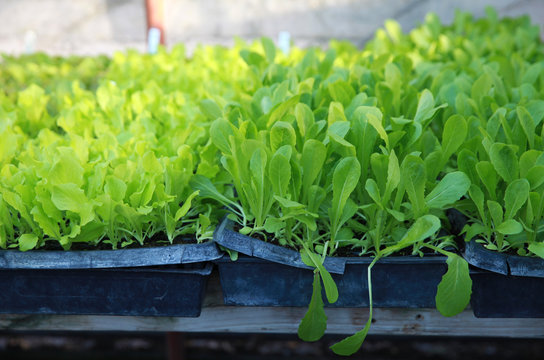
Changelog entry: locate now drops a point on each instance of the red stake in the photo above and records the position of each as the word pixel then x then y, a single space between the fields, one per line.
pixel 155 16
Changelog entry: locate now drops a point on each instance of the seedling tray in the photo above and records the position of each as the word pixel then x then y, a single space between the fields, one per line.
pixel 155 281
pixel 505 286
pixel 409 282
pixel 100 259
pixel 171 291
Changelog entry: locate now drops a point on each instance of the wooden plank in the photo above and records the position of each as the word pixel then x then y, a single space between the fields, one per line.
pixel 217 317
pixel 424 322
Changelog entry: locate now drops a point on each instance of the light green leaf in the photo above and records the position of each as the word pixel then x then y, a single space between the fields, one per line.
pixel 504 159
pixel 220 131
pixel 313 324
pixel 269 49
pixel 115 187
pixel 515 196
pixel 378 126
pixel 423 228
pixel 425 107
pixel 273 225
pixel 210 109
pixel 182 211
pixel 313 158
pixel 330 286
pixel 27 242
pixel 527 124
pixel 344 180
pixel 372 189
pixel 279 172
pixel 351 344
pixel 495 210
pixel 71 198
pixel 510 227
pixel 537 248
pixel 450 189
pixel 413 178
pixel 282 133
pixel 453 135
pixel 453 294
pixel 208 190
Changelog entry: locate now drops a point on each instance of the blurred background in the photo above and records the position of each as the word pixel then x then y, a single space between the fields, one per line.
pixel 103 26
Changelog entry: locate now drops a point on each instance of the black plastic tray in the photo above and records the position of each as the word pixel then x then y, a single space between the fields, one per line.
pixel 141 282
pixel 283 280
pixel 509 286
pixel 100 259
pixel 171 291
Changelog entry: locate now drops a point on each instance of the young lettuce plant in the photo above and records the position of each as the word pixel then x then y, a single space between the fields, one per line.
pixel 393 195
pixel 506 204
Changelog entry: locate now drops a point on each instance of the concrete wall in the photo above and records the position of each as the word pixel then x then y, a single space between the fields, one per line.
pixel 103 26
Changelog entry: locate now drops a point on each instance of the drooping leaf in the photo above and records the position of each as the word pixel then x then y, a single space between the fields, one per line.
pixel 455 288
pixel 313 324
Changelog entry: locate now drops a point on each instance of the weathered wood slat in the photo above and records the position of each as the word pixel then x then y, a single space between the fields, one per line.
pixel 425 322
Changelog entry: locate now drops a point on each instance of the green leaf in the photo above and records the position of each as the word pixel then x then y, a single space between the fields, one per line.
pixel 478 197
pixel 279 112
pixel 453 135
pixel 344 180
pixel 66 169
pixel 527 124
pixel 378 126
pixel 423 228
pixel 282 133
pixel 273 225
pixel 288 204
pixel 453 293
pixel 466 162
pixel 220 131
pixel 70 197
pixel 49 226
pixel 504 159
pixel 304 117
pixel 279 172
pixel 450 189
pixel 372 189
pixel 269 49
pixel 182 211
pixel 330 286
pixel 425 107
pixel 313 324
pixel 515 196
pixel 535 176
pixel 473 230
pixel 115 187
pixel 27 242
pixel 495 210
pixel 488 176
pixel 351 344
pixel 510 227
pixel 208 190
pixel 413 178
pixel 210 109
pixel 314 154
pixel 537 248
pixel 393 174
